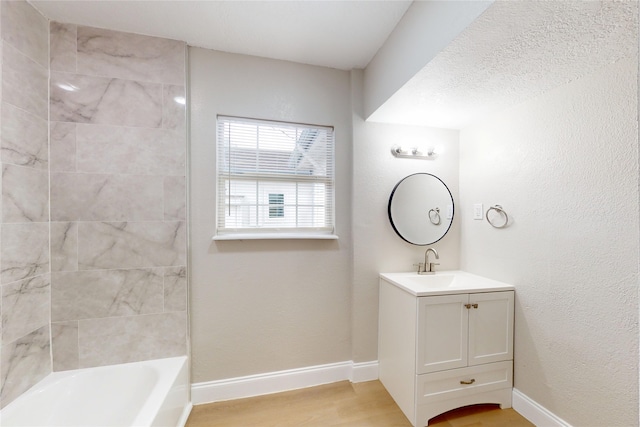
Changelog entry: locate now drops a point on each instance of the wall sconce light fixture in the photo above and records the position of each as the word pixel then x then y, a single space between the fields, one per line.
pixel 414 153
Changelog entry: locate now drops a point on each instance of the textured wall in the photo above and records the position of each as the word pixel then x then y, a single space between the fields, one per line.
pixel 425 29
pixel 565 168
pixel 118 230
pixel 513 52
pixel 264 306
pixel 376 247
pixel 24 236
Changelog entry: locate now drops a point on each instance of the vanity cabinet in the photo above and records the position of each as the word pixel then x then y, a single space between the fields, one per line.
pixel 443 351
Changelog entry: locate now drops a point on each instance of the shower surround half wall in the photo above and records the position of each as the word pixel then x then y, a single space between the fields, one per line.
pixel 118 197
pixel 24 235
pixel 93 226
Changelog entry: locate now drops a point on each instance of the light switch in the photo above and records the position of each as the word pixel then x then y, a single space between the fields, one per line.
pixel 477 211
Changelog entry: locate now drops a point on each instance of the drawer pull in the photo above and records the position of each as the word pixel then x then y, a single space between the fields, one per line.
pixel 471 381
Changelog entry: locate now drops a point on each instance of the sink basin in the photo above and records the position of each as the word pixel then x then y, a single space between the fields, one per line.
pixel 444 283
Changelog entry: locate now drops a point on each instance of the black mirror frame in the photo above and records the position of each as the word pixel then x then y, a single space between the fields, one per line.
pixel 391 217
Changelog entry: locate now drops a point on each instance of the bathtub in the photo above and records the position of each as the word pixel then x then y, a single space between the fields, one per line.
pixel 151 393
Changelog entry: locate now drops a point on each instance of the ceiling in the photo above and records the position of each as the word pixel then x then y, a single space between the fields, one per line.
pixel 336 34
pixel 515 50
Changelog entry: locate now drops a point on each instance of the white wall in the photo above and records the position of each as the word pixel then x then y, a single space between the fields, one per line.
pixel 565 168
pixel 264 306
pixel 425 29
pixel 377 248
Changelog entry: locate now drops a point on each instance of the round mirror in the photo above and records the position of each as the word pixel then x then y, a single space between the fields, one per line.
pixel 421 209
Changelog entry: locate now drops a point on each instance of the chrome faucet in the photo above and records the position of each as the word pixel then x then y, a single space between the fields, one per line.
pixel 427 267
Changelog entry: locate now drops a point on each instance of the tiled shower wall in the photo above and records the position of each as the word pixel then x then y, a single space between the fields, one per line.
pixel 118 221
pixel 24 234
pixel 105 261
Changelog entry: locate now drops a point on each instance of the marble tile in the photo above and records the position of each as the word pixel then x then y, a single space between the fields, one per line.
pixel 17 16
pixel 91 197
pixel 173 107
pixel 64 345
pixel 64 246
pixel 175 198
pixel 1 61
pixel 133 338
pixel 25 306
pixel 1 199
pixel 175 288
pixel 24 251
pixel 63 47
pixel 25 194
pixel 105 293
pixel 86 99
pixel 24 138
pixel 63 147
pixel 24 82
pixel 24 362
pixel 126 150
pixel 131 244
pixel 130 56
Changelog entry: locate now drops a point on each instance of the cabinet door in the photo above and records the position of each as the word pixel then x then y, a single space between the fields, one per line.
pixel 442 333
pixel 490 327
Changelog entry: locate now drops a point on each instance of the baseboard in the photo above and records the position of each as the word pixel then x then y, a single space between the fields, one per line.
pixel 365 371
pixel 534 412
pixel 276 382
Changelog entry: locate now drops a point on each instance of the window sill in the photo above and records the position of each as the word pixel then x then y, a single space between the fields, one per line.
pixel 275 236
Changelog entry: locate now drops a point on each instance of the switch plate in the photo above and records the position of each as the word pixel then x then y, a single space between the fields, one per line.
pixel 477 211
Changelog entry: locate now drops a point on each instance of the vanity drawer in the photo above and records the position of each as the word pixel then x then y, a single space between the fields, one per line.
pixel 455 383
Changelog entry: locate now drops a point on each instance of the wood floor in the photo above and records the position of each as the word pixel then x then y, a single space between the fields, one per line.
pixel 340 404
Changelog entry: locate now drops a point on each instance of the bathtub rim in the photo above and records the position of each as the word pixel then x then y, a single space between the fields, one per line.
pixel 170 369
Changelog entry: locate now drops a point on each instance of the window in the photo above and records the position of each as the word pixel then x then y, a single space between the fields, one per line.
pixel 275 179
pixel 276 205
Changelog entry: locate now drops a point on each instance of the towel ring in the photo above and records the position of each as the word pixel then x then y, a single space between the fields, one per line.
pixel 501 212
pixel 434 216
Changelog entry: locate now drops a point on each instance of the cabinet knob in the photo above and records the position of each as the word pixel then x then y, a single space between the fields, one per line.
pixel 468 306
pixel 474 305
pixel 471 381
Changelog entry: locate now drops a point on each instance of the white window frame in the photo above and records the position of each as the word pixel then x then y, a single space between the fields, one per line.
pixel 270 230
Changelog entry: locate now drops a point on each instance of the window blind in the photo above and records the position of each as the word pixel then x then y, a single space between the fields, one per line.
pixel 274 177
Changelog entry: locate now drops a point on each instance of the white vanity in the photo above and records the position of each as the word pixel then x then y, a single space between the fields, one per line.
pixel 445 341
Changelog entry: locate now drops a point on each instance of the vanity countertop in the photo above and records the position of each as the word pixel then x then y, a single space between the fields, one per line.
pixel 444 283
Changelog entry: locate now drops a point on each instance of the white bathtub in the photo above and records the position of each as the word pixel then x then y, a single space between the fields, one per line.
pixel 153 393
